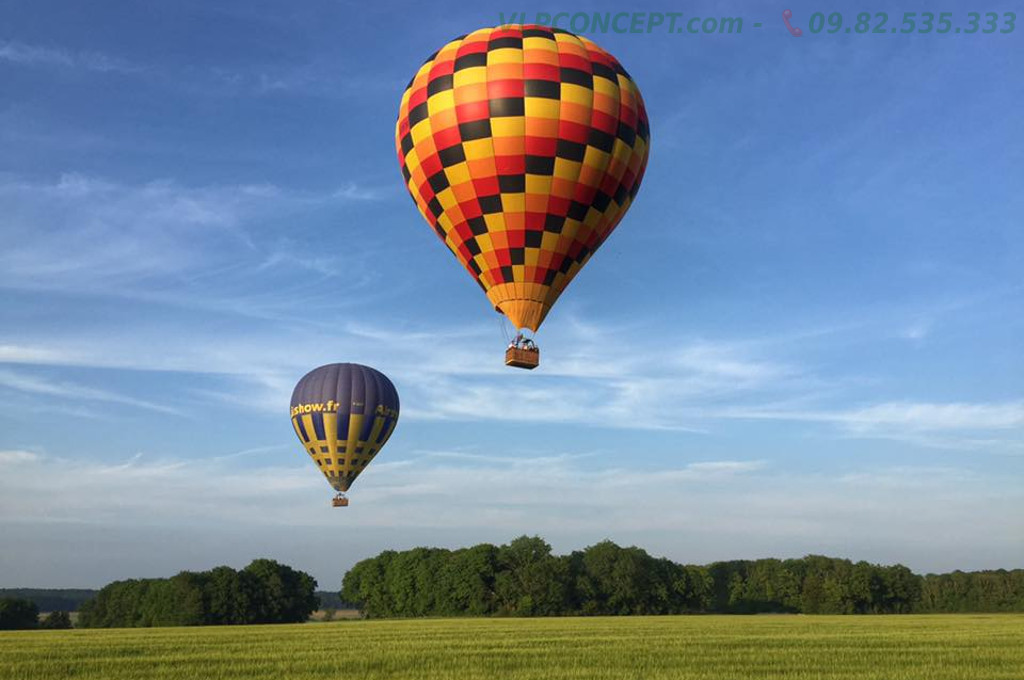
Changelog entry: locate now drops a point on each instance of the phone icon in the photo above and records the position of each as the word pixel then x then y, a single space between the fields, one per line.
pixel 786 16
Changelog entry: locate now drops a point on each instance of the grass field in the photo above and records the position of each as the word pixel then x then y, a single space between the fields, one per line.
pixel 951 647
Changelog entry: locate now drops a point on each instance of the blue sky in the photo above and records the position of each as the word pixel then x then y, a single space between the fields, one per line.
pixel 804 337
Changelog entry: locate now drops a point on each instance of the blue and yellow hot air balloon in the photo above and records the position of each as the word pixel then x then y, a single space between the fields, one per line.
pixel 343 415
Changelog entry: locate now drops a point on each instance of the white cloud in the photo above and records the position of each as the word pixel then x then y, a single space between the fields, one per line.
pixel 456 374
pixel 322 78
pixel 141 490
pixel 19 354
pixel 917 331
pixel 84 234
pixel 63 391
pixel 912 416
pixel 354 192
pixel 697 512
pixel 110 235
pixel 726 466
pixel 725 362
pixel 930 416
pixel 14 457
pixel 955 425
pixel 21 53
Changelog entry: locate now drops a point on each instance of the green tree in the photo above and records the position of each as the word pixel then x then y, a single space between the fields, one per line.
pixel 364 584
pixel 616 580
pixel 56 621
pixel 264 592
pixel 413 580
pixel 283 595
pixel 524 578
pixel 693 589
pixel 901 589
pixel 230 596
pixel 18 614
pixel 530 580
pixel 472 573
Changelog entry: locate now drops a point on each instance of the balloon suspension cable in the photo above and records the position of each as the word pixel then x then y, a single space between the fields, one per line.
pixel 503 324
pixel 508 329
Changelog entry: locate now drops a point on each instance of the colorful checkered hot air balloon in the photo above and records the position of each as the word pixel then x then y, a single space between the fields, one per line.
pixel 343 415
pixel 523 147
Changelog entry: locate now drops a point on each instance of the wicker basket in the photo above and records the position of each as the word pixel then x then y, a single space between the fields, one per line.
pixel 522 358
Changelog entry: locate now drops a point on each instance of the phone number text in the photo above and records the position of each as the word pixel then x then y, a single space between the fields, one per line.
pixel 913 22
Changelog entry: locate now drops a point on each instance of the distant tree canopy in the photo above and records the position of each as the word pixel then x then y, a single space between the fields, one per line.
pixel 524 578
pixel 56 621
pixel 51 599
pixel 330 600
pixel 18 614
pixel 979 591
pixel 263 592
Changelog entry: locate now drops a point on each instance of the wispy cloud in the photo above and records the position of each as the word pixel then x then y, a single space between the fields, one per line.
pixel 321 78
pixel 35 55
pixel 928 416
pixel 997 426
pixel 327 78
pixel 18 354
pixel 700 511
pixel 155 489
pixel 64 391
pixel 354 192
pixel 148 239
pixel 452 374
pixel 724 361
pixel 16 457
pixel 110 234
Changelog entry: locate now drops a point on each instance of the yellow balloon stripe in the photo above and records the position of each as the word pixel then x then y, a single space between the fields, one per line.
pixel 523 148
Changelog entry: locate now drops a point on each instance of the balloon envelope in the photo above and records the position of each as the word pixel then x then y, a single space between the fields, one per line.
pixel 523 147
pixel 343 415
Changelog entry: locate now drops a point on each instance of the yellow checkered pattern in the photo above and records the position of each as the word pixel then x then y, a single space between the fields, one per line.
pixel 342 460
pixel 523 147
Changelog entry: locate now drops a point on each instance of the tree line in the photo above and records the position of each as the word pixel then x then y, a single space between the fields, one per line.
pixel 524 578
pixel 51 599
pixel 21 614
pixel 263 592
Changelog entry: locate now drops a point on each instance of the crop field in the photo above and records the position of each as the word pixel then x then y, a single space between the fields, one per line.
pixel 945 647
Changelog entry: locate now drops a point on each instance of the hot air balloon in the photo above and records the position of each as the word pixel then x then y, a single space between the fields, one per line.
pixel 343 415
pixel 523 147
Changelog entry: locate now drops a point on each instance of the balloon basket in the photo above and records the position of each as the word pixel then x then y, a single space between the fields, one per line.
pixel 522 358
pixel 340 501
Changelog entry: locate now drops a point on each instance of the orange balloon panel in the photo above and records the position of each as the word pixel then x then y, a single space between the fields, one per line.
pixel 523 147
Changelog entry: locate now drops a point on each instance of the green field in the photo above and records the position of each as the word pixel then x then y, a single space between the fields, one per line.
pixel 953 647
